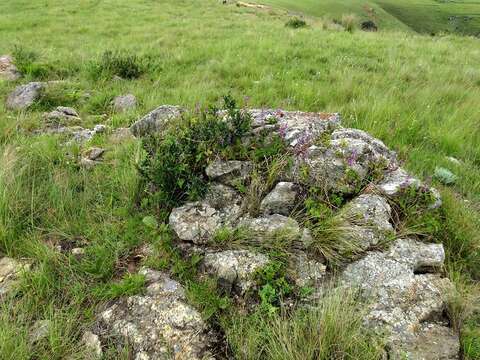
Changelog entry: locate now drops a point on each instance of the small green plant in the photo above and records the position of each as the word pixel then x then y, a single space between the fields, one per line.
pixel 296 23
pixel 445 176
pixel 273 286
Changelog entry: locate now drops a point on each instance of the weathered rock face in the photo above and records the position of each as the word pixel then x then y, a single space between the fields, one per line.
pixel 124 103
pixel 10 270
pixel 403 301
pixel 159 324
pixel 62 114
pixel 307 272
pixel 8 70
pixel 229 172
pixel 281 200
pixel 24 96
pixel 155 121
pixel 367 220
pixel 234 268
pixel 270 225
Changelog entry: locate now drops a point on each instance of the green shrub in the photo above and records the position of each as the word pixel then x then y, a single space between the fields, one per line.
pixel 296 23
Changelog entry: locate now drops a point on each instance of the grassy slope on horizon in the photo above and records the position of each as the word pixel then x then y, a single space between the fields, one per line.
pixel 423 16
pixel 418 94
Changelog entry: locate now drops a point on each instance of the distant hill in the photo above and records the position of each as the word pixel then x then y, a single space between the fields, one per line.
pixel 422 16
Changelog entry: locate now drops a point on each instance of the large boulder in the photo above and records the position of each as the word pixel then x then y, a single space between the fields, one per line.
pixel 155 121
pixel 24 96
pixel 8 70
pixel 281 200
pixel 406 299
pixel 234 268
pixel 157 325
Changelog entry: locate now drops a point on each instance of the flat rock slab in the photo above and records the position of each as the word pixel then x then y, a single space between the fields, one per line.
pixel 157 325
pixel 404 298
pixel 24 96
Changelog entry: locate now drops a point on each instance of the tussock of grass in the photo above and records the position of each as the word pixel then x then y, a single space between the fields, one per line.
pixel 332 329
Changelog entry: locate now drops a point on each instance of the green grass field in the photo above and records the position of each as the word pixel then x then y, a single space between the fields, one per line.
pixel 423 16
pixel 419 94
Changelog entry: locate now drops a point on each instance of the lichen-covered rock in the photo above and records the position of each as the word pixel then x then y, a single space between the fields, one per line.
pixel 62 114
pixel 234 268
pixel 8 70
pixel 159 324
pixel 270 226
pixel 94 153
pixel 226 201
pixel 307 272
pixel 402 301
pixel 195 222
pixel 156 120
pixel 10 270
pixel 124 103
pixel 398 181
pixel 229 172
pixel 24 96
pixel 343 163
pixel 281 200
pixel 92 343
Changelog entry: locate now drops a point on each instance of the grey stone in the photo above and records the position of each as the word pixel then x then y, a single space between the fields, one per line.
pixel 229 172
pixel 120 135
pixel 397 181
pixel 195 222
pixel 156 120
pixel 94 153
pixel 78 252
pixel 306 271
pixel 226 201
pixel 159 324
pixel 402 302
pixel 24 96
pixel 124 103
pixel 92 342
pixel 87 163
pixel 8 70
pixel 269 225
pixel 281 200
pixel 234 268
pixel 62 114
pixel 40 330
pixel 10 271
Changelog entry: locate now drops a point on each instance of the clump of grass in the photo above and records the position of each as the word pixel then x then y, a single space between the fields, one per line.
pixel 333 329
pixel 57 94
pixel 296 23
pixel 118 63
pixel 349 22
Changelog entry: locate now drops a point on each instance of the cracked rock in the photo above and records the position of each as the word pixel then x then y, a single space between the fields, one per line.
pixel 159 324
pixel 234 268
pixel 405 304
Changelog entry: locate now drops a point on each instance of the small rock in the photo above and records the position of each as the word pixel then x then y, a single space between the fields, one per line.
pixel 121 135
pixel 124 103
pixel 99 128
pixel 94 153
pixel 40 330
pixel 8 70
pixel 10 270
pixel 78 252
pixel 92 343
pixel 281 200
pixel 24 96
pixel 234 268
pixel 229 172
pixel 87 163
pixel 155 121
pixel 226 201
pixel 62 114
pixel 307 272
pixel 195 222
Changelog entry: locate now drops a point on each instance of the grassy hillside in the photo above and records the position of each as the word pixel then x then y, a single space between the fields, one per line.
pixel 417 93
pixel 423 16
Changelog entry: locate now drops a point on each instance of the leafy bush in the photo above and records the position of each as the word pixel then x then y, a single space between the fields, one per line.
pixel 295 23
pixel 117 63
pixel 175 163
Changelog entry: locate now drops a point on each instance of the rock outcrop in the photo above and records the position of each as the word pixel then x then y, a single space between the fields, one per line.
pixel 156 120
